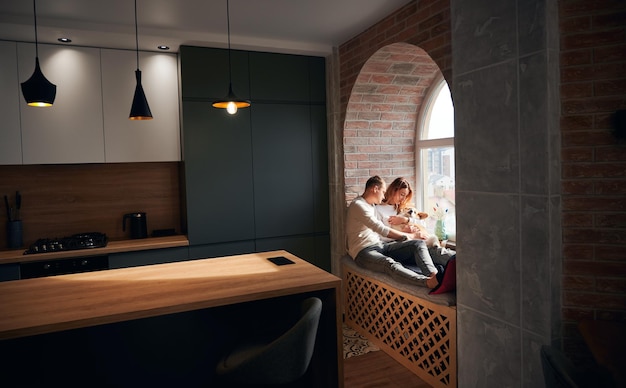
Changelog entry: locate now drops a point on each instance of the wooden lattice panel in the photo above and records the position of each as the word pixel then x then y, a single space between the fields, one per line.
pixel 419 334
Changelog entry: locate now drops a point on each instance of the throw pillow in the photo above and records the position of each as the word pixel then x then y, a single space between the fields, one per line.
pixel 448 283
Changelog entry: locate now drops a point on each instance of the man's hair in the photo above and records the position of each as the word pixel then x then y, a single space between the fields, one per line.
pixel 374 181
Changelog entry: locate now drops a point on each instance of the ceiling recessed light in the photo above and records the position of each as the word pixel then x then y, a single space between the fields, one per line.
pixel 163 47
pixel 64 40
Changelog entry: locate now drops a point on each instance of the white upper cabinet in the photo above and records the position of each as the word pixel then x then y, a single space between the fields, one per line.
pixel 10 137
pixel 88 122
pixel 71 131
pixel 153 140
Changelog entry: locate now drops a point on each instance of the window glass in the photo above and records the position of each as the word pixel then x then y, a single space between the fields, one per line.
pixel 435 158
pixel 438 187
pixel 439 121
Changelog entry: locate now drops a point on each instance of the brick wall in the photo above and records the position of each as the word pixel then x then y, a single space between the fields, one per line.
pixel 385 73
pixel 593 87
pixel 379 130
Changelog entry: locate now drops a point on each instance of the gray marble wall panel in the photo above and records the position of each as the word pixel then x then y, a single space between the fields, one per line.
pixel 536 291
pixel 534 129
pixel 553 120
pixel 532 372
pixel 489 350
pixel 484 33
pixel 505 88
pixel 489 254
pixel 486 123
pixel 556 268
pixel 532 26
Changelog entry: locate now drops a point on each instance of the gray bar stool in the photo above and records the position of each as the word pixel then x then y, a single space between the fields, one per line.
pixel 279 361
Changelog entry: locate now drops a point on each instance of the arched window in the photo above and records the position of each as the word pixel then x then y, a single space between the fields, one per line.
pixel 435 157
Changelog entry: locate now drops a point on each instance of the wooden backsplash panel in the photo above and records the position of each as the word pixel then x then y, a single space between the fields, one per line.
pixel 61 200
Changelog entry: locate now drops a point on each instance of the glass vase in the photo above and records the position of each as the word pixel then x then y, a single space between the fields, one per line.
pixel 440 230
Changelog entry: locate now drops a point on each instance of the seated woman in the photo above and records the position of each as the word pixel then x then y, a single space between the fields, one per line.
pixel 394 211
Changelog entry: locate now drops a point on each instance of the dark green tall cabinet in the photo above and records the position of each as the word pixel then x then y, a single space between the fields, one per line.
pixel 257 180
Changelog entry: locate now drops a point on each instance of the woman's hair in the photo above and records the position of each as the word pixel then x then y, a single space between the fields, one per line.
pixel 395 186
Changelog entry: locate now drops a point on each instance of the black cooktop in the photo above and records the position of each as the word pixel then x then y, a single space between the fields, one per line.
pixel 70 243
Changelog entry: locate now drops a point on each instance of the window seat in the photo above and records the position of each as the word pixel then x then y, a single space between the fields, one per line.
pixel 414 327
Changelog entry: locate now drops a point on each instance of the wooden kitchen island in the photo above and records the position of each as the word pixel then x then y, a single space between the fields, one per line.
pixel 158 324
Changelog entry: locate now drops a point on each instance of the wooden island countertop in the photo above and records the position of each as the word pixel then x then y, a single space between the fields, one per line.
pixel 56 303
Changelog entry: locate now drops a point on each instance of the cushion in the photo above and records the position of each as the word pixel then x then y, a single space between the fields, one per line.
pixel 446 299
pixel 448 283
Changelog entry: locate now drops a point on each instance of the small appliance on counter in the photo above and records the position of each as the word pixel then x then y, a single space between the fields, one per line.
pixel 138 224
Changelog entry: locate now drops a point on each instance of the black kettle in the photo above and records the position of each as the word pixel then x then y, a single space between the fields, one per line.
pixel 138 225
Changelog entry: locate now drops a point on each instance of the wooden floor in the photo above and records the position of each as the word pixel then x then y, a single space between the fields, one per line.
pixel 378 370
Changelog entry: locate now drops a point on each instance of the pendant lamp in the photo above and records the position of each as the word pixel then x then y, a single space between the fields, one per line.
pixel 37 90
pixel 140 109
pixel 231 102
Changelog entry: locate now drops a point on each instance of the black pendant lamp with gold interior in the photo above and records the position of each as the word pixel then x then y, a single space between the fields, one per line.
pixel 231 102
pixel 37 90
pixel 140 109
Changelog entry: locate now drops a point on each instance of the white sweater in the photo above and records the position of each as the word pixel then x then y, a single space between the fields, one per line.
pixel 383 212
pixel 363 228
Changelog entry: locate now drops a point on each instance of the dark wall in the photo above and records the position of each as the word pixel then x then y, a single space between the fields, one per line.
pixel 256 180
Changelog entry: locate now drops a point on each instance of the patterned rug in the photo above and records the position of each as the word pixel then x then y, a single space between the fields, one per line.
pixel 354 344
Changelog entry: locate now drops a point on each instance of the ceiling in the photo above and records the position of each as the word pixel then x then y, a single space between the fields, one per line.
pixel 311 27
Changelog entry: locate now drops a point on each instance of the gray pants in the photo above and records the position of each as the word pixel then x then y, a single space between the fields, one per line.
pixel 441 255
pixel 389 258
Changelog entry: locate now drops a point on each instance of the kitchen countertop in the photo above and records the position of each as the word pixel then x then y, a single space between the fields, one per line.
pixel 43 305
pixel 18 256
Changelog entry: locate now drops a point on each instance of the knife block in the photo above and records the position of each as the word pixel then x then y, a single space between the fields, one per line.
pixel 14 234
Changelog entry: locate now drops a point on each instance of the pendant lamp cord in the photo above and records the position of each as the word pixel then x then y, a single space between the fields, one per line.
pixel 36 42
pixel 230 71
pixel 136 35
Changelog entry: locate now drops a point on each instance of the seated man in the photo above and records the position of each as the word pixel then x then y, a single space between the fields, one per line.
pixel 365 231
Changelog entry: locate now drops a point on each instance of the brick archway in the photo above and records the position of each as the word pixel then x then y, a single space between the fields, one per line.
pixel 382 110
